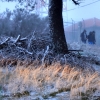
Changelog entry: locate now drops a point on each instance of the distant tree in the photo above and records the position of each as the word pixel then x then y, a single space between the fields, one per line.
pixel 23 23
pixel 5 23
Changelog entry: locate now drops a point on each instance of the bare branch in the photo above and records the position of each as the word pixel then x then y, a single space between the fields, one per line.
pixel 76 2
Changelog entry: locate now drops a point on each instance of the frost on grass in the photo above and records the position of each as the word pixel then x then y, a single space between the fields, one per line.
pixel 36 71
pixel 48 81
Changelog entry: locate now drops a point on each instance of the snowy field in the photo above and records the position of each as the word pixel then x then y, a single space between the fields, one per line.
pixel 73 80
pixel 89 50
pixel 29 81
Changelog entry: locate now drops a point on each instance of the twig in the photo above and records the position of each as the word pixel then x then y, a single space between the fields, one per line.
pixel 18 38
pixel 25 50
pixel 3 44
pixel 46 52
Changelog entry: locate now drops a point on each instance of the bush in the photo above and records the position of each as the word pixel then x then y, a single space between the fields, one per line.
pixel 22 22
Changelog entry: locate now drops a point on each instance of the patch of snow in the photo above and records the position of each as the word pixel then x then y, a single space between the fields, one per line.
pixel 96 67
pixel 96 94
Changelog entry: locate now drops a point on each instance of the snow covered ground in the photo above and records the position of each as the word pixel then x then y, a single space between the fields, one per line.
pixel 88 50
pixel 55 82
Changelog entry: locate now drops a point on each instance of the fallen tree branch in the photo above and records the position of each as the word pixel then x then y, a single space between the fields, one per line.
pixel 23 39
pixel 4 43
pixel 76 50
pixel 25 50
pixel 18 38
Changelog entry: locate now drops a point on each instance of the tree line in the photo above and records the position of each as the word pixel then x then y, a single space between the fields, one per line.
pixel 20 22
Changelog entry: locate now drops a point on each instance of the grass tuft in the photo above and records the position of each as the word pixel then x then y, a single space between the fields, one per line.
pixel 48 81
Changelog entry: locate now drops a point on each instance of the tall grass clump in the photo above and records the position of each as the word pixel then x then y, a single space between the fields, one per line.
pixel 49 80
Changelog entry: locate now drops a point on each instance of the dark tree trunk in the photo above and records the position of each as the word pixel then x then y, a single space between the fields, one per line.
pixel 56 27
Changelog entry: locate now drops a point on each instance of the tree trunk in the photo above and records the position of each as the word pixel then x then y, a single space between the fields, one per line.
pixel 56 27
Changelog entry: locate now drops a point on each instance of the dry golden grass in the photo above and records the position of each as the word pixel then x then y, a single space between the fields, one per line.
pixel 46 80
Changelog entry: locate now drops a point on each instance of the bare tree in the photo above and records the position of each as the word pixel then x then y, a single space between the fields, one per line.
pixel 55 23
pixel 56 26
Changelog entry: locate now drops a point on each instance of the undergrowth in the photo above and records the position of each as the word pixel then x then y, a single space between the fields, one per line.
pixel 22 79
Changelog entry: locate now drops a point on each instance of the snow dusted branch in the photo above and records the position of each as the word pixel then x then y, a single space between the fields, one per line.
pixel 24 50
pixel 18 38
pixel 3 44
pixel 45 53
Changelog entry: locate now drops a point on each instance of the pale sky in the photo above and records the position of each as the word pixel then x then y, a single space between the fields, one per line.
pixel 87 9
pixel 4 5
pixel 91 9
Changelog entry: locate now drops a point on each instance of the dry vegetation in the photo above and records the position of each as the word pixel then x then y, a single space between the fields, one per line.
pixel 46 81
pixel 24 72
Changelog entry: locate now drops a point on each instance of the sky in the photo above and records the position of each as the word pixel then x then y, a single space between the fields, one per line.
pixel 4 5
pixel 87 9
